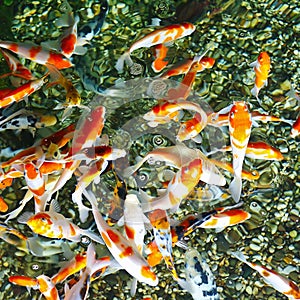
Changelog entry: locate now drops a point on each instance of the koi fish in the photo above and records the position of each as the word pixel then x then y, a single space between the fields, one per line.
pixel 37 54
pixel 36 184
pixel 190 129
pixel 261 68
pixel 163 237
pixel 93 28
pixel 178 188
pixel 21 92
pixel 68 43
pixel 296 128
pixel 278 282
pixel 159 36
pixel 134 222
pixel 200 281
pixel 81 288
pixel 17 69
pixel 199 63
pixel 126 255
pixel 42 283
pixel 73 97
pixel 52 224
pixel 26 119
pixel 239 130
pixel 258 150
pixel 184 66
pixel 164 112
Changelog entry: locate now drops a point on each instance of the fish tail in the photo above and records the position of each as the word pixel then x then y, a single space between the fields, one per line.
pixel 123 58
pixel 254 91
pixel 240 256
pixel 235 188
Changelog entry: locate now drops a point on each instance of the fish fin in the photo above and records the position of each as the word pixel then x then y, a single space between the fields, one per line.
pixel 80 50
pixel 254 64
pixel 122 59
pixel 235 188
pixel 121 222
pixel 24 217
pixel 82 209
pixel 254 123
pixel 182 245
pixel 51 44
pixel 239 255
pixel 184 284
pixel 197 139
pixel 54 206
pixel 133 287
pixel 93 236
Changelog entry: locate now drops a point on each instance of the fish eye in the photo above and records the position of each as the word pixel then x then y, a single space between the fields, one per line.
pixel 44 220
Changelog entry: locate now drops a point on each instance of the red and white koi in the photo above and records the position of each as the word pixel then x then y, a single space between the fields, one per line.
pixel 37 54
pixel 21 92
pixel 261 68
pixel 42 283
pixel 52 224
pixel 159 36
pixel 239 130
pixel 278 282
pixel 123 252
pixel 17 69
pixel 163 237
pixel 200 281
pixel 68 43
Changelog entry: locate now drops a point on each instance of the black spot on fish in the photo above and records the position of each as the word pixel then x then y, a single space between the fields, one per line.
pixel 15 123
pixel 31 120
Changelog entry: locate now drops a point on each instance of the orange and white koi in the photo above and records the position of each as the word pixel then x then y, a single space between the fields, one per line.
pixel 37 54
pixel 80 289
pixel 200 281
pixel 21 92
pixel 159 36
pixel 36 184
pixel 17 69
pixel 134 222
pixel 190 129
pixel 42 283
pixel 261 68
pixel 163 237
pixel 296 128
pixel 184 66
pixel 52 224
pixel 199 63
pixel 90 128
pixel 280 283
pixel 184 181
pixel 160 53
pixel 123 252
pixel 166 111
pixel 257 150
pixel 239 130
pixel 222 219
pixel 175 156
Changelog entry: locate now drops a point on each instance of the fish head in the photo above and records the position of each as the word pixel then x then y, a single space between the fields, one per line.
pixel 40 223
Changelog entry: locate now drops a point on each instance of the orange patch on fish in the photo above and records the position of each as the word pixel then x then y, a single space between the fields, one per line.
pixel 113 236
pixel 148 273
pixel 128 251
pixel 3 205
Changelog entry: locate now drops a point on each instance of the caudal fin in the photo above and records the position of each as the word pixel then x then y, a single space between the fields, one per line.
pixel 235 188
